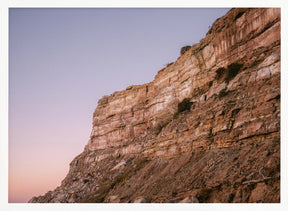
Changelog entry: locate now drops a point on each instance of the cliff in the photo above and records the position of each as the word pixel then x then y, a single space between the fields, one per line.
pixel 206 129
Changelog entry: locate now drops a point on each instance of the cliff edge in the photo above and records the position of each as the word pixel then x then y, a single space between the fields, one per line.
pixel 206 129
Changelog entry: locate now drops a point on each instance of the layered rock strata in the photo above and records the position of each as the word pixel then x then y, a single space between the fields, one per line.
pixel 224 146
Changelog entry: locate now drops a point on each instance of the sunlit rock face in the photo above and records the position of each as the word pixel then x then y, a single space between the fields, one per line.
pixel 226 139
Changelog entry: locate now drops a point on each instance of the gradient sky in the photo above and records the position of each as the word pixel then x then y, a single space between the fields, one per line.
pixel 62 61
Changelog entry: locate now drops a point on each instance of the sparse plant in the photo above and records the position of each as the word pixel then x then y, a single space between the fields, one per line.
pixel 184 49
pixel 229 73
pixel 220 72
pixel 185 105
pixel 210 83
pixel 233 70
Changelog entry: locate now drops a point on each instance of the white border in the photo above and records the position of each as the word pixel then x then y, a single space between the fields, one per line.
pixel 143 3
pixel 5 4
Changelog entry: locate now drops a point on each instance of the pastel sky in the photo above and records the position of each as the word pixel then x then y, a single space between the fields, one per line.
pixel 62 61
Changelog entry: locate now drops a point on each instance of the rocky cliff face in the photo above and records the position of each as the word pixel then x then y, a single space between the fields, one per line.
pixel 206 129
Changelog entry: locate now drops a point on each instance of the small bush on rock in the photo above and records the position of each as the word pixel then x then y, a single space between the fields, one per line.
pixel 184 49
pixel 233 70
pixel 220 72
pixel 229 73
pixel 184 105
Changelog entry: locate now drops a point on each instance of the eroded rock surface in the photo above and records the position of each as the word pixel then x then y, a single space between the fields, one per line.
pixel 223 147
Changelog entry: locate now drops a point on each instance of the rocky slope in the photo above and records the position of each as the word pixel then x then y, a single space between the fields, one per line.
pixel 206 129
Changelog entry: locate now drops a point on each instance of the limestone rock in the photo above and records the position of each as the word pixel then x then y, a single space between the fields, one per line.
pixel 258 193
pixel 189 199
pixel 142 200
pixel 114 199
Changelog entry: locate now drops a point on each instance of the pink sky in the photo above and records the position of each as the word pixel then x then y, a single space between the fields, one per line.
pixel 36 176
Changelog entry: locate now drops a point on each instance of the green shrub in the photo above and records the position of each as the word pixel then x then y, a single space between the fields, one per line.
pixel 229 73
pixel 210 83
pixel 220 72
pixel 184 49
pixel 184 105
pixel 233 70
